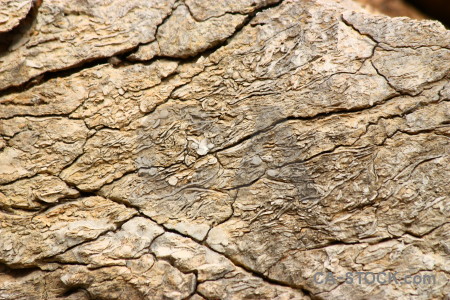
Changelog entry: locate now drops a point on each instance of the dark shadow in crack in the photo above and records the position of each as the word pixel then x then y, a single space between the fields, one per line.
pixel 9 39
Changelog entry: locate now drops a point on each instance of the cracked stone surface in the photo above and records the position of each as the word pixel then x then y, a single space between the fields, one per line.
pixel 75 33
pixel 207 149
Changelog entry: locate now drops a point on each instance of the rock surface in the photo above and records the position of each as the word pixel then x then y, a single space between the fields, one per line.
pixel 394 8
pixel 223 150
pixel 12 12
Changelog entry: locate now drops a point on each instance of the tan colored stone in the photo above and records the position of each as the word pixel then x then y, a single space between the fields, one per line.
pixel 28 239
pixel 76 33
pixel 227 150
pixel 115 248
pixel 145 279
pixel 12 12
pixel 146 52
pixel 182 36
pixel 35 193
pixel 207 9
pixel 39 145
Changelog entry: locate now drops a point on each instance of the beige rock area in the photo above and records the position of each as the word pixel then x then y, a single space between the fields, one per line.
pixel 395 8
pixel 206 149
pixel 12 12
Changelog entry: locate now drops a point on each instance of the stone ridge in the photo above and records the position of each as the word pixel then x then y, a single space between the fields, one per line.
pixel 207 149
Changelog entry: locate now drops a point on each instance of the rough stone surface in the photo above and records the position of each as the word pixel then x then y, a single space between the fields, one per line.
pixel 78 32
pixel 12 12
pixel 222 150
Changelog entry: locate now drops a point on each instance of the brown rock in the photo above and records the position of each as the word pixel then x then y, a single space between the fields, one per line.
pixel 223 150
pixel 12 12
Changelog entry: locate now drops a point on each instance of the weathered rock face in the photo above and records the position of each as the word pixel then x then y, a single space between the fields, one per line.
pixel 12 12
pixel 226 150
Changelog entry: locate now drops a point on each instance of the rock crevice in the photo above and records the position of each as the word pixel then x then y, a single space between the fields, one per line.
pixel 222 150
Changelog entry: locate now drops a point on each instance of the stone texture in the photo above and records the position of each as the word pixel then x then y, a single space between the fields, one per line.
pixel 115 248
pixel 57 229
pixel 12 12
pixel 75 33
pixel 206 9
pixel 36 285
pixel 39 145
pixel 218 278
pixel 182 36
pixel 35 193
pixel 223 150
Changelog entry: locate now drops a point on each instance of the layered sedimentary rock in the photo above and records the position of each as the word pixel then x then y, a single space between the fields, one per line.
pixel 12 12
pixel 223 150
